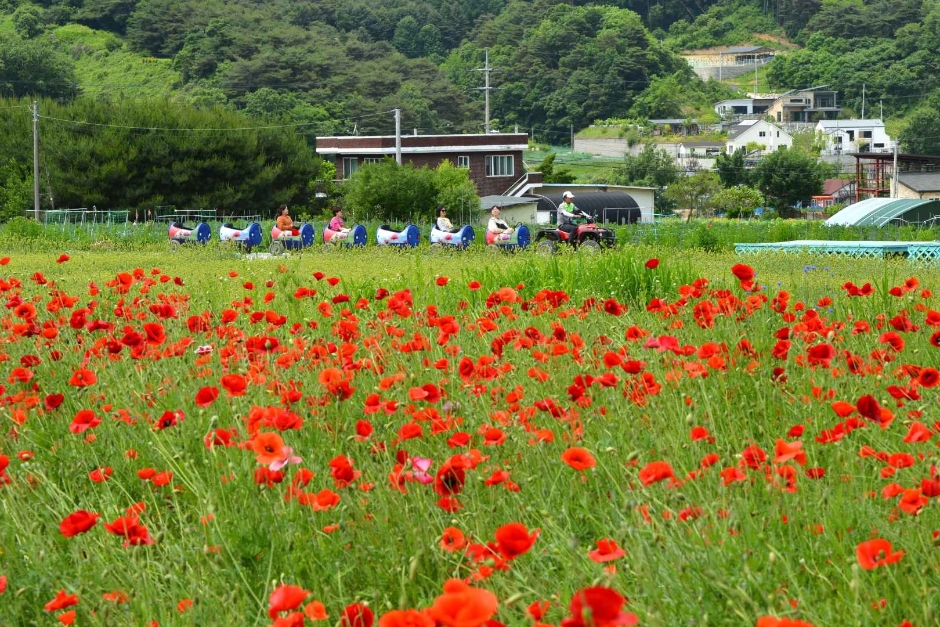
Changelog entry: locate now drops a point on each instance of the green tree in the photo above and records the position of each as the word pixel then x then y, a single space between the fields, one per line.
pixel 16 189
pixel 406 37
pixel 550 174
pixel 28 20
pixel 787 177
pixel 921 133
pixel 393 192
pixel 737 202
pixel 731 169
pixel 33 68
pixel 651 167
pixel 694 192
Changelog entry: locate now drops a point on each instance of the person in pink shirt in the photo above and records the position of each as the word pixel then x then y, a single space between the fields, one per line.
pixel 336 224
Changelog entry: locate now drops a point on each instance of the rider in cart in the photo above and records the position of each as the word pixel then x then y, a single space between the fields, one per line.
pixel 443 224
pixel 284 223
pixel 502 230
pixel 336 224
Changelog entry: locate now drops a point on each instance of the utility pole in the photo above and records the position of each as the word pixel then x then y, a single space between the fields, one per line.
pixel 486 69
pixel 398 136
pixel 863 101
pixel 36 160
pixel 894 183
pixel 755 76
pixel 881 109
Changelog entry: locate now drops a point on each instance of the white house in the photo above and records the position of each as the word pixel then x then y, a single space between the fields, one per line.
pixel 841 136
pixel 759 132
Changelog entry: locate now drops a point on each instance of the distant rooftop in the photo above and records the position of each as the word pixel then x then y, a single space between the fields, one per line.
pixel 849 123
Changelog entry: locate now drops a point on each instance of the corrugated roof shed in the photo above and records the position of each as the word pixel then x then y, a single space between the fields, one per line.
pixel 881 211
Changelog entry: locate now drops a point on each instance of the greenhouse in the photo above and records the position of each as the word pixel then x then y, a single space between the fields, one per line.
pixel 882 211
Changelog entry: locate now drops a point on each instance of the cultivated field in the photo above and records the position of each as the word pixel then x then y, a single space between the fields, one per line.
pixel 650 436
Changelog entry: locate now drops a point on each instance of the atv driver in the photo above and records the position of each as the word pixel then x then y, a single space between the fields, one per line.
pixel 567 212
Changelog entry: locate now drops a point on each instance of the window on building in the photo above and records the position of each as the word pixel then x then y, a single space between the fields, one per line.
pixel 500 165
pixel 865 134
pixel 778 133
pixel 463 161
pixel 879 145
pixel 762 134
pixel 837 139
pixel 371 160
pixel 350 166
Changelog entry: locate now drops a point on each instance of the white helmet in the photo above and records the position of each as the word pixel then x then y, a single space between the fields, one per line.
pixel 567 195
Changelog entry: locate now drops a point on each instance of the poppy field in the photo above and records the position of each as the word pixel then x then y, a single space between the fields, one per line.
pixel 375 438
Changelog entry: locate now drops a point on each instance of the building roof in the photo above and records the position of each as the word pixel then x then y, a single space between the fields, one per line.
pixel 705 144
pixel 837 124
pixel 831 186
pixel 745 49
pixel 672 121
pixel 591 202
pixel 488 202
pixel 921 181
pixel 876 211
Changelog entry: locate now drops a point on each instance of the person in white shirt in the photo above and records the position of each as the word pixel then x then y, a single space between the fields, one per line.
pixel 495 225
pixel 567 212
pixel 443 224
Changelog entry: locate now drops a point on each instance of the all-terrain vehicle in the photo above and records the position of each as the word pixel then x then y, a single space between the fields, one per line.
pixel 588 237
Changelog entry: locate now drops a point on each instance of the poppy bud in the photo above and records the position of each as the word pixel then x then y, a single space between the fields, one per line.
pixel 514 598
pixel 633 455
pixel 413 567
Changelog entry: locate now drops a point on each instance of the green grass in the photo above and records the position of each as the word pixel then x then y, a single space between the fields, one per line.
pixel 107 68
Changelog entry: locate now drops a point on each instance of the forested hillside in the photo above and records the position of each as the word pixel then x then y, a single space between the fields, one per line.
pixel 316 67
pixel 559 62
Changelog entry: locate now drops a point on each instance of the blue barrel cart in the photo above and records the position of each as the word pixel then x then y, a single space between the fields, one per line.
pixel 408 237
pixel 181 234
pixel 461 238
pixel 353 238
pixel 291 239
pixel 517 239
pixel 247 237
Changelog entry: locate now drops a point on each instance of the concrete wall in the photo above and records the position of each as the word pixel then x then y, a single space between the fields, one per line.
pixel 615 147
pixel 728 71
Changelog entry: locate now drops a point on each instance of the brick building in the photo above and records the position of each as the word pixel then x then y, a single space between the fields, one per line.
pixel 494 160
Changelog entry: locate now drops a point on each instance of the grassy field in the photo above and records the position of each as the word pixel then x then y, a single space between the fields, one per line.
pixel 511 421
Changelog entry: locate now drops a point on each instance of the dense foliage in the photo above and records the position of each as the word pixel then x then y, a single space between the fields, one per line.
pixel 120 156
pixel 388 191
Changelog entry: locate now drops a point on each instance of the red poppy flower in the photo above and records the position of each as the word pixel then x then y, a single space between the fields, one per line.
pixel 83 421
pixel 206 396
pixel 463 606
pixel 61 601
pixel 285 598
pixel 787 451
pixel 100 475
pixel 743 272
pixel 406 618
pixel 652 264
pixel 442 281
pixel 514 539
pixel 453 539
pixel 234 384
pixel 607 550
pixel 874 553
pixel 83 378
pixel 579 458
pixel 598 607
pixel 357 615
pixel 773 621
pixel 654 472
pixel 78 522
pixel 62 258
pixel 130 528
